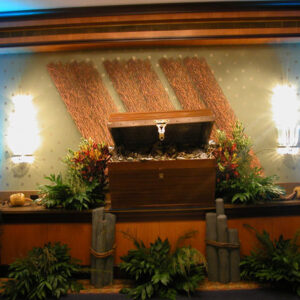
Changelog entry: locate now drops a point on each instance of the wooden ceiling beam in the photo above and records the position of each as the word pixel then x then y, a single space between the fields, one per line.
pixel 57 31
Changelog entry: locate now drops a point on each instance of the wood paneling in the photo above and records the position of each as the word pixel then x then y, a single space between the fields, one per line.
pixel 18 239
pixel 287 226
pixel 197 24
pixel 149 231
pixel 54 18
pixel 135 36
pixel 78 236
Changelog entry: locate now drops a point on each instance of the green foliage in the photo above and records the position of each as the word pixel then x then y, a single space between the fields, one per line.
pixel 45 272
pixel 249 188
pixel 56 193
pixel 237 180
pixel 276 262
pixel 69 196
pixel 86 183
pixel 159 273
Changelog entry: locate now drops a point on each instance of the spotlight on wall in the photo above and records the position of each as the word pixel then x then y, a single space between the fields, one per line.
pixel 23 134
pixel 285 108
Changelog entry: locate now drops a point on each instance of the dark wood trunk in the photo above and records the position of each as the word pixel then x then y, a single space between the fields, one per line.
pixel 162 183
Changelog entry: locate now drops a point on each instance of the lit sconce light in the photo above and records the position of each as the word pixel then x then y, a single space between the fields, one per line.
pixel 285 108
pixel 23 134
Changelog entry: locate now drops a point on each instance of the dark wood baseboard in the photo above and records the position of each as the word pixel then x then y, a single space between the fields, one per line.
pixel 34 215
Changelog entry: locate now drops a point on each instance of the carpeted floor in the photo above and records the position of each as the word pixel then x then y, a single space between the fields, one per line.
pixel 207 291
pixel 257 294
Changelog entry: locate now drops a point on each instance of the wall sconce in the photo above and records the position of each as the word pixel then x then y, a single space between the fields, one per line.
pixel 23 133
pixel 285 108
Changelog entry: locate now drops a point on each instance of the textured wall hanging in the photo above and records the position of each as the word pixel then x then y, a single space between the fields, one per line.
pixel 196 87
pixel 138 85
pixel 88 101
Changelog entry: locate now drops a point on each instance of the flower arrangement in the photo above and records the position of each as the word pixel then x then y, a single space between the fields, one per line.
pixel 237 180
pixel 89 162
pixel 232 154
pixel 86 182
pixel 227 160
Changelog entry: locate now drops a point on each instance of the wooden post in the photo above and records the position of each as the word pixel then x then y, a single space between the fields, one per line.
pixel 222 236
pixel 211 251
pixel 103 237
pixel 220 206
pixel 233 238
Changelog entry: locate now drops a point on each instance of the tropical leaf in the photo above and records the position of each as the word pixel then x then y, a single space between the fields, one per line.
pixel 44 272
pixel 275 261
pixel 159 272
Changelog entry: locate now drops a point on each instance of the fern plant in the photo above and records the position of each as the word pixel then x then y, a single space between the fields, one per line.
pixel 64 195
pixel 55 193
pixel 158 272
pixel 249 187
pixel 276 262
pixel 45 272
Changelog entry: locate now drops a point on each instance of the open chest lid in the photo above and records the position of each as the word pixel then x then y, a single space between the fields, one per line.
pixel 140 131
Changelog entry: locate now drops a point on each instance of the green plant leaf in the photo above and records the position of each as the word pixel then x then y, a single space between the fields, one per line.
pixel 158 272
pixel 274 261
pixel 44 272
pixel 237 180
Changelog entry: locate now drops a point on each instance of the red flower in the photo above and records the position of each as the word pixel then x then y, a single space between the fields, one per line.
pixel 236 173
pixel 233 166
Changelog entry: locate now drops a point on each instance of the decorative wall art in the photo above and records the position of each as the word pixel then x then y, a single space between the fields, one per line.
pixel 75 92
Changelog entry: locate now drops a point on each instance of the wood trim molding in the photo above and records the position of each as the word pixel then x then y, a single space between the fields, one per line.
pixel 154 9
pixel 39 214
pixel 144 25
pixel 143 19
pixel 278 208
pixel 42 215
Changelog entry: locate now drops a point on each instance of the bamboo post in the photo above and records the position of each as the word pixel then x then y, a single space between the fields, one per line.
pixel 222 236
pixel 220 206
pixel 233 238
pixel 211 251
pixel 103 237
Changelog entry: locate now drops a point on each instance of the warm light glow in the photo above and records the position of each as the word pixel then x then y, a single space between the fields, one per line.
pixel 23 134
pixel 22 159
pixel 285 108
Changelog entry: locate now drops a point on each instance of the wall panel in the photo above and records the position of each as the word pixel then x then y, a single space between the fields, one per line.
pixel 17 239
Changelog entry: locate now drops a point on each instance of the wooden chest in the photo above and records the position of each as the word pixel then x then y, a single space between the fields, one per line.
pixel 150 170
